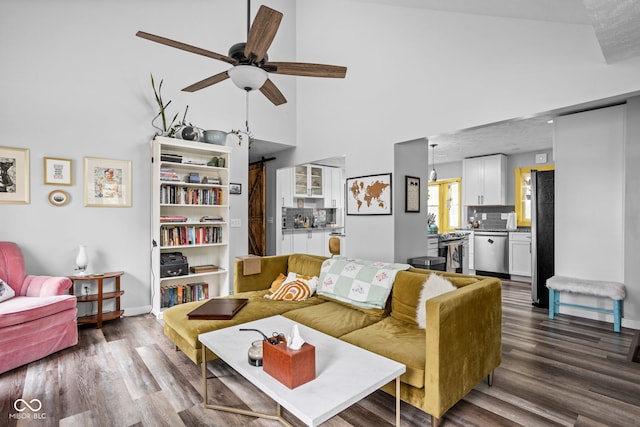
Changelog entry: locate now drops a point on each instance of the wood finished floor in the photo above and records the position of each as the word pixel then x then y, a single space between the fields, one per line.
pixel 566 372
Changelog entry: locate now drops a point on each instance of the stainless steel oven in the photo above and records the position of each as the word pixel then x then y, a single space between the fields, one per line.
pixel 454 247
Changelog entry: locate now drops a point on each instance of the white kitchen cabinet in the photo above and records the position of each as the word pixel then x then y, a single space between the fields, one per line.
pixel 308 181
pixel 310 242
pixel 284 245
pixel 471 252
pixel 484 180
pixel 284 187
pixel 520 254
pixel 333 193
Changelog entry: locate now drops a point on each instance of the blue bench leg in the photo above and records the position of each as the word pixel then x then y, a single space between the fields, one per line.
pixel 553 304
pixel 617 315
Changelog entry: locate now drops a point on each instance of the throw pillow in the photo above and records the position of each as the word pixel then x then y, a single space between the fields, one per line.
pixel 291 291
pixel 435 285
pixel 310 281
pixel 275 285
pixel 6 291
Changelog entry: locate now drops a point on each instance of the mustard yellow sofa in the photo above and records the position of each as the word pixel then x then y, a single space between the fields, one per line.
pixel 460 346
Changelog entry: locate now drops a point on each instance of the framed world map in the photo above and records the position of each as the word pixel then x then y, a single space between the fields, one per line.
pixel 369 195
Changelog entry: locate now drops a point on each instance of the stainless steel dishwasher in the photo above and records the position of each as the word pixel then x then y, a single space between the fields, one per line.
pixel 491 251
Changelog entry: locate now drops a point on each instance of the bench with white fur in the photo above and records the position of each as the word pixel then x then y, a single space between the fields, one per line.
pixel 614 290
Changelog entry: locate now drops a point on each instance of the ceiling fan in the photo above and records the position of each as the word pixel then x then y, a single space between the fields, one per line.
pixel 250 61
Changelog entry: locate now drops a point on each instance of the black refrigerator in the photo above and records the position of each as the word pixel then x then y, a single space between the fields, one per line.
pixel 542 235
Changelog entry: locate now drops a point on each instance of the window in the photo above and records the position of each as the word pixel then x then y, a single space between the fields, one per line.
pixel 443 200
pixel 523 193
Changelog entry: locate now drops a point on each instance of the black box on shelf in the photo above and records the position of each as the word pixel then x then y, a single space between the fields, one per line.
pixel 173 264
pixel 168 157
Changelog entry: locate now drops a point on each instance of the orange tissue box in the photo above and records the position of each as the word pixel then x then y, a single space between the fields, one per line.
pixel 291 367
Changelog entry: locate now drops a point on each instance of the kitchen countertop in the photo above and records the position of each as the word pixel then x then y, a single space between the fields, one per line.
pixel 294 230
pixel 519 229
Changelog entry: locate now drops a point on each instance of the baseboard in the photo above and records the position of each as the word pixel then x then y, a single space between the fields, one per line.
pixel 137 311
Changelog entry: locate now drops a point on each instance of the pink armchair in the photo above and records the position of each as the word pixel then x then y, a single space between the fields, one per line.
pixel 39 319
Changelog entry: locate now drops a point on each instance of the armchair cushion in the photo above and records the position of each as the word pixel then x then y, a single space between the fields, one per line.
pixel 26 309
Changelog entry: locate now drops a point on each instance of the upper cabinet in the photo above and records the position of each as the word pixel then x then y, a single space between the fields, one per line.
pixel 333 191
pixel 284 187
pixel 309 181
pixel 484 180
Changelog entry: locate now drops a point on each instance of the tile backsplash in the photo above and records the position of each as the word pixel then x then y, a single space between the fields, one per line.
pixel 493 216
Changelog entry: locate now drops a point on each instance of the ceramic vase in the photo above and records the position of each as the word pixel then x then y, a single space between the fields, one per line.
pixel 82 260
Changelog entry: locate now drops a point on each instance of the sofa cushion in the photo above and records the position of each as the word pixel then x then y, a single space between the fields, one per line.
pixel 26 309
pixel 362 283
pixel 407 287
pixel 6 291
pixel 275 285
pixel 308 265
pixel 257 308
pixel 397 340
pixel 332 318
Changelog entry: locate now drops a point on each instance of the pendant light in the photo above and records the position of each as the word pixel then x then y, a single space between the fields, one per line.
pixel 433 176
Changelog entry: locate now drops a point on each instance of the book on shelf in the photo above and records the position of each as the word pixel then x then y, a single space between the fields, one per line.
pixel 181 294
pixel 203 268
pixel 173 218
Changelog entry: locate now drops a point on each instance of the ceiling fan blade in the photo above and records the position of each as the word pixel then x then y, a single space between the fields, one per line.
pixel 209 81
pixel 187 47
pixel 272 93
pixel 305 69
pixel 262 32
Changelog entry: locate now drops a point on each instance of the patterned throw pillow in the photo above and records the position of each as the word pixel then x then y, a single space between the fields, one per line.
pixel 435 285
pixel 296 287
pixel 6 291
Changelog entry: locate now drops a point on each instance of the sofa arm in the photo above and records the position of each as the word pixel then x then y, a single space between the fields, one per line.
pixel 270 267
pixel 463 342
pixel 45 286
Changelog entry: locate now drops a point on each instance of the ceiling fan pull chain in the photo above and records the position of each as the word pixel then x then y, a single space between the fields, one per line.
pixel 246 123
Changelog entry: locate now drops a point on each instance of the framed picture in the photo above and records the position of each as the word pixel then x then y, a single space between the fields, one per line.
pixel 57 171
pixel 59 198
pixel 14 175
pixel 235 188
pixel 107 183
pixel 412 194
pixel 369 195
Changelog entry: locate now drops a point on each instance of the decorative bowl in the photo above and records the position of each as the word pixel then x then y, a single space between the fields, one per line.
pixel 215 137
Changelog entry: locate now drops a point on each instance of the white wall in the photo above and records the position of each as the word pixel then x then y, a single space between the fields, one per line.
pixel 632 212
pixel 410 231
pixel 414 72
pixel 589 200
pixel 75 83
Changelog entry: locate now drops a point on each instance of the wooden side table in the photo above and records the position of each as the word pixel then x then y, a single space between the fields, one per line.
pixel 99 297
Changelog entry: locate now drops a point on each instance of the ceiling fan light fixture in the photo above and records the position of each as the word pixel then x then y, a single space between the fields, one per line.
pixel 247 77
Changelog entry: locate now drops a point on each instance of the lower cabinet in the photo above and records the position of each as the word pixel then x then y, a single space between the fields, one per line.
pixel 312 242
pixel 520 254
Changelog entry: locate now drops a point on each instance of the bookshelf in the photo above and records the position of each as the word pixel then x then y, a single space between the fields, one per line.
pixel 190 214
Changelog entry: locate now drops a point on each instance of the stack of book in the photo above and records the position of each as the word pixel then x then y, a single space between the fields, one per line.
pixel 168 174
pixel 180 294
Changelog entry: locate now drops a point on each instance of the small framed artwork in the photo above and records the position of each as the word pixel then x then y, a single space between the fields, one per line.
pixel 107 183
pixel 369 195
pixel 235 188
pixel 57 171
pixel 59 198
pixel 14 175
pixel 412 194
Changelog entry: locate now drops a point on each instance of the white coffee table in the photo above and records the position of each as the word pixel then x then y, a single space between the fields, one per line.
pixel 345 373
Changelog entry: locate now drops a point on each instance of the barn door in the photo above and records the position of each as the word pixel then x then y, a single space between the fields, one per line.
pixel 257 243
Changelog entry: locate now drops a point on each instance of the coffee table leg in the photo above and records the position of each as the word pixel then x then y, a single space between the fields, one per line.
pixel 276 417
pixel 397 401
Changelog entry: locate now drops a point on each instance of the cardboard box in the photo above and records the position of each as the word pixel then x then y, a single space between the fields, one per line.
pixel 251 264
pixel 291 367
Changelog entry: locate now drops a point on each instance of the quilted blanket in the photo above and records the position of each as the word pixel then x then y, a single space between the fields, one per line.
pixel 363 283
